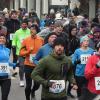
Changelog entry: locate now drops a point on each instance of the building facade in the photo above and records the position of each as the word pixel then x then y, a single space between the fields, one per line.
pixel 44 6
pixel 40 6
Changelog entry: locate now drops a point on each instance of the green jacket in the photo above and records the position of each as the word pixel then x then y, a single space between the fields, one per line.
pixel 18 38
pixel 53 67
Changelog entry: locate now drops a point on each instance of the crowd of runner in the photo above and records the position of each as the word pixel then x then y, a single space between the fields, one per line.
pixel 50 51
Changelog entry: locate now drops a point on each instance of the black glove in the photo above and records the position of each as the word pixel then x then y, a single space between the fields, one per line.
pixel 17 64
pixel 14 49
pixel 98 64
pixel 77 61
pixel 50 83
pixel 14 74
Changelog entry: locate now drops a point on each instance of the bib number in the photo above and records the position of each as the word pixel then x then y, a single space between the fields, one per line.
pixel 4 68
pixel 58 86
pixel 84 58
pixel 97 83
pixel 11 36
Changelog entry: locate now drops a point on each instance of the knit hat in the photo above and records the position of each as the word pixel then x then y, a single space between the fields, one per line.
pixel 83 38
pixel 98 45
pixel 59 41
pixel 83 24
pixel 47 37
pixel 97 29
pixel 1 34
pixel 58 23
pixel 35 27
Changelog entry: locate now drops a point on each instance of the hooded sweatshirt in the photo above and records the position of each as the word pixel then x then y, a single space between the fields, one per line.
pixel 53 67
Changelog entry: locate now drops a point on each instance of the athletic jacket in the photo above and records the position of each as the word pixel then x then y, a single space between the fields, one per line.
pixel 28 43
pixel 53 67
pixel 4 59
pixel 43 51
pixel 91 72
pixel 80 54
pixel 19 36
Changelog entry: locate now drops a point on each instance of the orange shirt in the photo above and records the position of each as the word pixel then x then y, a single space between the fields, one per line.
pixel 30 46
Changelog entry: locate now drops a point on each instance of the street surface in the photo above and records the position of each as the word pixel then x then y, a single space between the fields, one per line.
pixel 17 92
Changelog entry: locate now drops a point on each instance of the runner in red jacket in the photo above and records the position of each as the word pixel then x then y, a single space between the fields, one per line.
pixel 92 74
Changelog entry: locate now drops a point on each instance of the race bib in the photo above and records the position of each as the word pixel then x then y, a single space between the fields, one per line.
pixel 32 57
pixel 21 40
pixel 4 68
pixel 58 86
pixel 84 58
pixel 97 83
pixel 11 36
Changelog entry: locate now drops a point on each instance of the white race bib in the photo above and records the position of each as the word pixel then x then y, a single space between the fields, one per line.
pixel 84 58
pixel 11 36
pixel 97 83
pixel 21 40
pixel 4 68
pixel 32 57
pixel 58 86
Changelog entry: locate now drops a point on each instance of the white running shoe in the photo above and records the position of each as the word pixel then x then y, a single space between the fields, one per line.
pixel 21 83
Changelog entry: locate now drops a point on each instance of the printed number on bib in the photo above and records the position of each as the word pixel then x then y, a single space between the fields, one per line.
pixel 97 83
pixel 4 68
pixel 11 36
pixel 32 57
pixel 84 58
pixel 58 86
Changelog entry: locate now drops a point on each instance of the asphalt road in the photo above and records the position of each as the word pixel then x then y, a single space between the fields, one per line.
pixel 17 92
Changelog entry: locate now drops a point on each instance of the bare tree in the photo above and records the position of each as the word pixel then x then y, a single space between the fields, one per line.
pixel 4 4
pixel 84 6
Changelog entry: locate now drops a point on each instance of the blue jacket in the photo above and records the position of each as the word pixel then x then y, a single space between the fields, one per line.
pixel 4 58
pixel 43 51
pixel 78 54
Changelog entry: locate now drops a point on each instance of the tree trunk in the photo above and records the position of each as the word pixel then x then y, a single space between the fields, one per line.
pixel 4 4
pixel 84 6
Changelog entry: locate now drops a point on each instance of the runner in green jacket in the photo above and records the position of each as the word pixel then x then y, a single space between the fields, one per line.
pixel 53 71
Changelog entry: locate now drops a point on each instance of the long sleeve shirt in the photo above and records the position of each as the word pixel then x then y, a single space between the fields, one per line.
pixel 5 63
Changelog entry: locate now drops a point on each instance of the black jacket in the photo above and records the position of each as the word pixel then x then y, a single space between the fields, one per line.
pixel 73 44
pixel 12 25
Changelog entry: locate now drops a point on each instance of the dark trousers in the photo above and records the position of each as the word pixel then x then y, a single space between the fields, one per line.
pixel 69 85
pixel 21 67
pixel 64 98
pixel 81 83
pixel 87 95
pixel 69 88
pixel 28 89
pixel 9 45
pixel 5 88
pixel 15 57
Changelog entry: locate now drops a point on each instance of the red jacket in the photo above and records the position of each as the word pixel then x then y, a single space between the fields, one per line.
pixel 91 72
